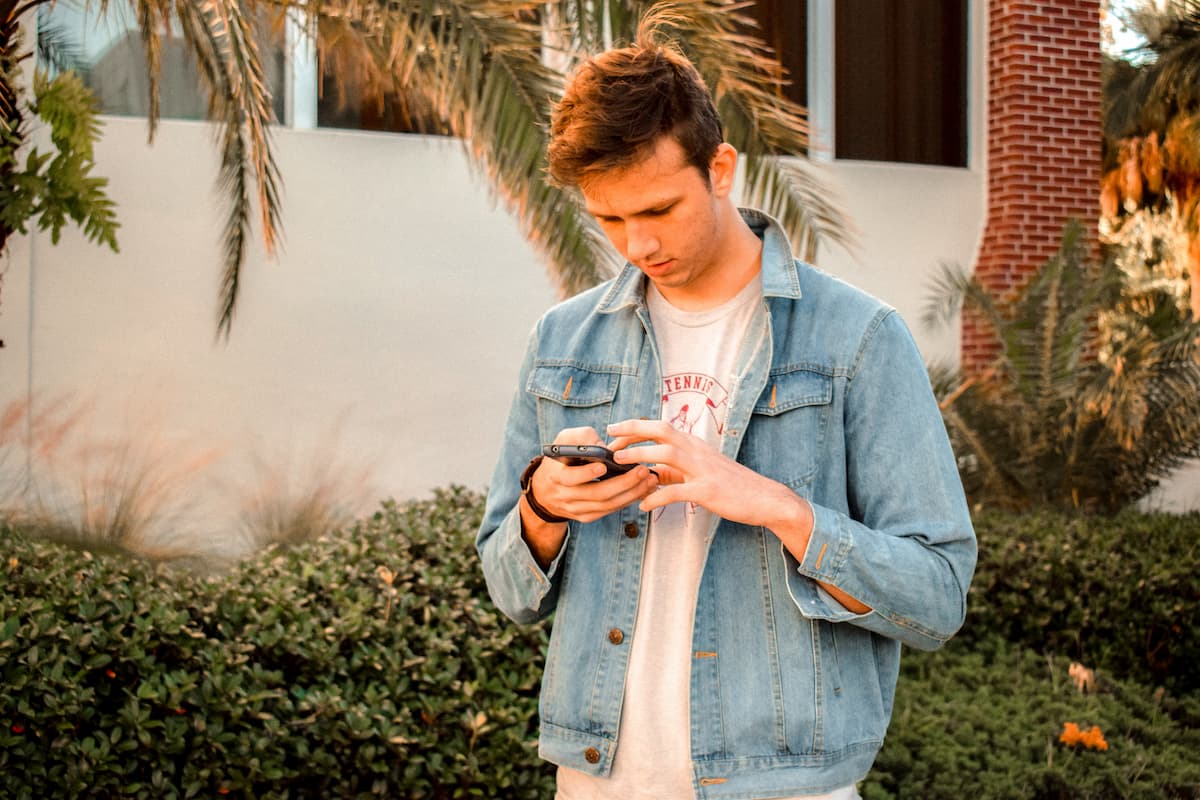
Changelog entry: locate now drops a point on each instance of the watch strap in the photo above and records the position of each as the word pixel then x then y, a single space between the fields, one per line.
pixel 527 491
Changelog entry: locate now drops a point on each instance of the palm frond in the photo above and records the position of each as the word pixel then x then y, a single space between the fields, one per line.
pixel 219 34
pixel 950 289
pixel 153 17
pixel 1091 403
pixel 58 48
pixel 477 65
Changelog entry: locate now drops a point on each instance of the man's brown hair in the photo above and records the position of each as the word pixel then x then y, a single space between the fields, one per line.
pixel 617 104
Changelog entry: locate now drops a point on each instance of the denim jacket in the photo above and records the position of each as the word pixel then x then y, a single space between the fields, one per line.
pixel 791 693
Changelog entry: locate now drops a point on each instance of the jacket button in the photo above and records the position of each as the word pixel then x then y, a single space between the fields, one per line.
pixel 631 530
pixel 592 755
pixel 615 636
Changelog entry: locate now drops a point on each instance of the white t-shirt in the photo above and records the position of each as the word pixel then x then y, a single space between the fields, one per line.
pixel 653 761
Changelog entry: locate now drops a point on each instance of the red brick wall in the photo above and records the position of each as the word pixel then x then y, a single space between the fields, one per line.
pixel 1043 134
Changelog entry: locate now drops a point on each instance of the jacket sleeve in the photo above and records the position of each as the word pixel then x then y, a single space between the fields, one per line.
pixel 907 546
pixel 516 583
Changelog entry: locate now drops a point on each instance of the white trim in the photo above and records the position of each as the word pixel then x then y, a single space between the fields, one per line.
pixel 977 90
pixel 302 79
pixel 820 80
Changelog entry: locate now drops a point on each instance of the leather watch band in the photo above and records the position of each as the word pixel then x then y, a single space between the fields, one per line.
pixel 527 491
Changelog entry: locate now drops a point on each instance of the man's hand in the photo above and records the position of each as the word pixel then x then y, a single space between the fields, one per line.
pixel 574 492
pixel 690 470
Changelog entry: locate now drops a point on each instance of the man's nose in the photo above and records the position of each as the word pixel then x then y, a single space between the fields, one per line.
pixel 641 241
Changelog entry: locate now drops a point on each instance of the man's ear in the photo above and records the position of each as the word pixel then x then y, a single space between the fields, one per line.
pixel 722 169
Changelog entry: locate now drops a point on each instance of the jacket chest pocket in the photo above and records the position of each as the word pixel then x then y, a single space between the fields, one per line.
pixel 787 432
pixel 571 396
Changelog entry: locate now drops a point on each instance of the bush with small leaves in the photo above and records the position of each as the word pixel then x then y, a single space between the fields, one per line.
pixel 986 720
pixel 368 663
pixel 1117 593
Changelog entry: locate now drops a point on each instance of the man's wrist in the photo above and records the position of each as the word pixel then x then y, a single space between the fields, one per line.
pixel 527 491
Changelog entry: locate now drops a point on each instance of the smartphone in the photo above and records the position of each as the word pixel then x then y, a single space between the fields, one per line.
pixel 574 455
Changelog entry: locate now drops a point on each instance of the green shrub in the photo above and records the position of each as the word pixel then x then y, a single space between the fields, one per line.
pixel 366 664
pixel 1092 397
pixel 983 721
pixel 371 663
pixel 1116 593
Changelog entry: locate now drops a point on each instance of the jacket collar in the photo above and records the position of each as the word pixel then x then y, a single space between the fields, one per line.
pixel 779 275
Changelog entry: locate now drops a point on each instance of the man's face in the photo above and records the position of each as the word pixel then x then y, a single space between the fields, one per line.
pixel 666 220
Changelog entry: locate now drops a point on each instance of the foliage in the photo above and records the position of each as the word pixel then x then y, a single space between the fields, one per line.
pixel 56 185
pixel 218 33
pixel 984 720
pixel 1093 398
pixel 1117 593
pixel 1152 126
pixel 288 506
pixel 369 663
pixel 486 71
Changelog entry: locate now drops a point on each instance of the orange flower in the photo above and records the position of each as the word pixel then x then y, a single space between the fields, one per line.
pixel 1092 738
pixel 1070 735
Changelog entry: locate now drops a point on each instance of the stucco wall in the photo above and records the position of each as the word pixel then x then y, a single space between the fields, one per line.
pixel 385 338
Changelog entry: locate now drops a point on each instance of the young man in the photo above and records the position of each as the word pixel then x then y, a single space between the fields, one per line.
pixel 729 613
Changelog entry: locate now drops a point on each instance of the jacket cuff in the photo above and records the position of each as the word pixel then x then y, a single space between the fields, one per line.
pixel 828 548
pixel 530 582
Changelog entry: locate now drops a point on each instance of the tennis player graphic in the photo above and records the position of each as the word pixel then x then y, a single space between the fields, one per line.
pixel 694 403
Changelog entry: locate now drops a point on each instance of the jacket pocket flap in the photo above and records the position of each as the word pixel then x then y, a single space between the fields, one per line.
pixel 573 386
pixel 790 390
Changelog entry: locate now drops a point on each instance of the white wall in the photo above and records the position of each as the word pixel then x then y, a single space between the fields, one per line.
pixel 389 330
pixel 388 333
pixel 910 219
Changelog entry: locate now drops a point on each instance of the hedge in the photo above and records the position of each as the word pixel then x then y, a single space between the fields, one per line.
pixel 1119 593
pixel 371 663
pixel 984 721
pixel 367 664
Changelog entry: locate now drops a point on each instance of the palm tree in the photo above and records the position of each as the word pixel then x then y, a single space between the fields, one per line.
pixel 1093 398
pixel 1152 127
pixel 480 68
pixel 219 35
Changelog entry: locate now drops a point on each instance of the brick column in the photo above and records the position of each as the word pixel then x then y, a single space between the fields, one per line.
pixel 1043 123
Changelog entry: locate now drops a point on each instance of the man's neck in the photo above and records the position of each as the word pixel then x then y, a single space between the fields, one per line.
pixel 740 260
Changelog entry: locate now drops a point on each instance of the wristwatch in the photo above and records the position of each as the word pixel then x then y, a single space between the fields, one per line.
pixel 527 491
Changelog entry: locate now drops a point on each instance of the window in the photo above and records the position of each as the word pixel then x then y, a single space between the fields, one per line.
pixel 901 81
pixel 107 52
pixel 359 106
pixel 354 95
pixel 783 25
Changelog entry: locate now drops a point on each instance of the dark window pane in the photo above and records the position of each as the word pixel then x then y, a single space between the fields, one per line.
pixel 901 81
pixel 347 104
pixel 356 95
pixel 783 25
